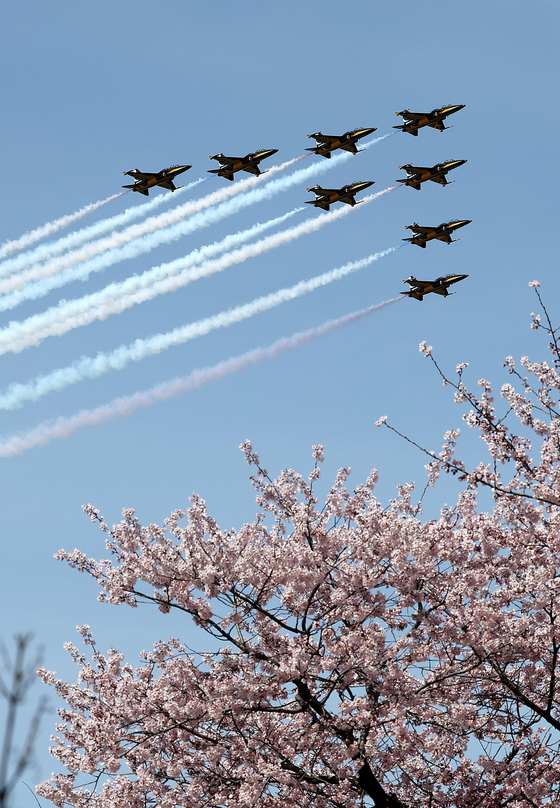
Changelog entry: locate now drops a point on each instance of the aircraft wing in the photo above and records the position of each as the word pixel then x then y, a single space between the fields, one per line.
pixel 351 147
pixel 419 229
pixel 419 284
pixel 440 179
pixel 411 116
pixel 167 184
pixel 253 169
pixel 141 175
pixel 438 125
pixel 441 291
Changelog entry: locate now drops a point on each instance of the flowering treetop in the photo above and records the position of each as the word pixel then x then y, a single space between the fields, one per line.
pixel 363 657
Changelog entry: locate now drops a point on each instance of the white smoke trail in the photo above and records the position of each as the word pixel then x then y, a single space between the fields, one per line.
pixel 46 251
pixel 64 427
pixel 124 237
pixel 52 227
pixel 157 230
pixel 92 367
pixel 117 297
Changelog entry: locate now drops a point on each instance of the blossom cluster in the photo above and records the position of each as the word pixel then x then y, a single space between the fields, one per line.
pixel 363 655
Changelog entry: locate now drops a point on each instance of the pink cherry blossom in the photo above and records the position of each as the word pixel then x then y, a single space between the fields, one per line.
pixel 361 656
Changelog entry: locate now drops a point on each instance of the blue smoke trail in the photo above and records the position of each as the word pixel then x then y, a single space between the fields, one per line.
pixel 65 426
pixel 93 367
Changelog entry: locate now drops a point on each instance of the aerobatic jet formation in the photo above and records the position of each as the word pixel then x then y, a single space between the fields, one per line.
pixel 325 197
pixel 416 175
pixel 329 143
pixel 439 287
pixel 421 235
pixel 413 121
pixel 144 180
pixel 250 163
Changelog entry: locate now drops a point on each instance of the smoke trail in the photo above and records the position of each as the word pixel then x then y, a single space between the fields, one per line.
pixel 161 229
pixel 52 227
pixel 118 239
pixel 117 297
pixel 92 367
pixel 64 427
pixel 78 237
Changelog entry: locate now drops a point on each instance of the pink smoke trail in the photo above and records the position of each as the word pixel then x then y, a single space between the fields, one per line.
pixel 52 227
pixel 64 427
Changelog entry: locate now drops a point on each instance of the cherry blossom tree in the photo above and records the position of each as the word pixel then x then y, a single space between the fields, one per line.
pixel 359 656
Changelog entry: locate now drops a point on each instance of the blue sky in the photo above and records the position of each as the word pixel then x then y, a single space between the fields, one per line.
pixel 92 90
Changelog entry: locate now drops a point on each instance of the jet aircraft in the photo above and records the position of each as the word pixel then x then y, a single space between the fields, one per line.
pixel 416 175
pixel 329 143
pixel 413 121
pixel 421 235
pixel 420 288
pixel 325 197
pixel 249 163
pixel 146 180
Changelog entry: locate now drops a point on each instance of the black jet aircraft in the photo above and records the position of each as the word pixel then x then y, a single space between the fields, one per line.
pixel 329 143
pixel 413 121
pixel 416 175
pixel 420 288
pixel 421 235
pixel 146 180
pixel 325 197
pixel 249 163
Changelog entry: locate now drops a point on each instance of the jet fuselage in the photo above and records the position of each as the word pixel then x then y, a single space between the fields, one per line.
pixel 439 286
pixel 329 143
pixel 146 180
pixel 443 232
pixel 413 121
pixel 250 163
pixel 325 197
pixel 416 175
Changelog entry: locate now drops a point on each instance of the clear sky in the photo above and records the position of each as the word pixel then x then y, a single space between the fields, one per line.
pixel 94 89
